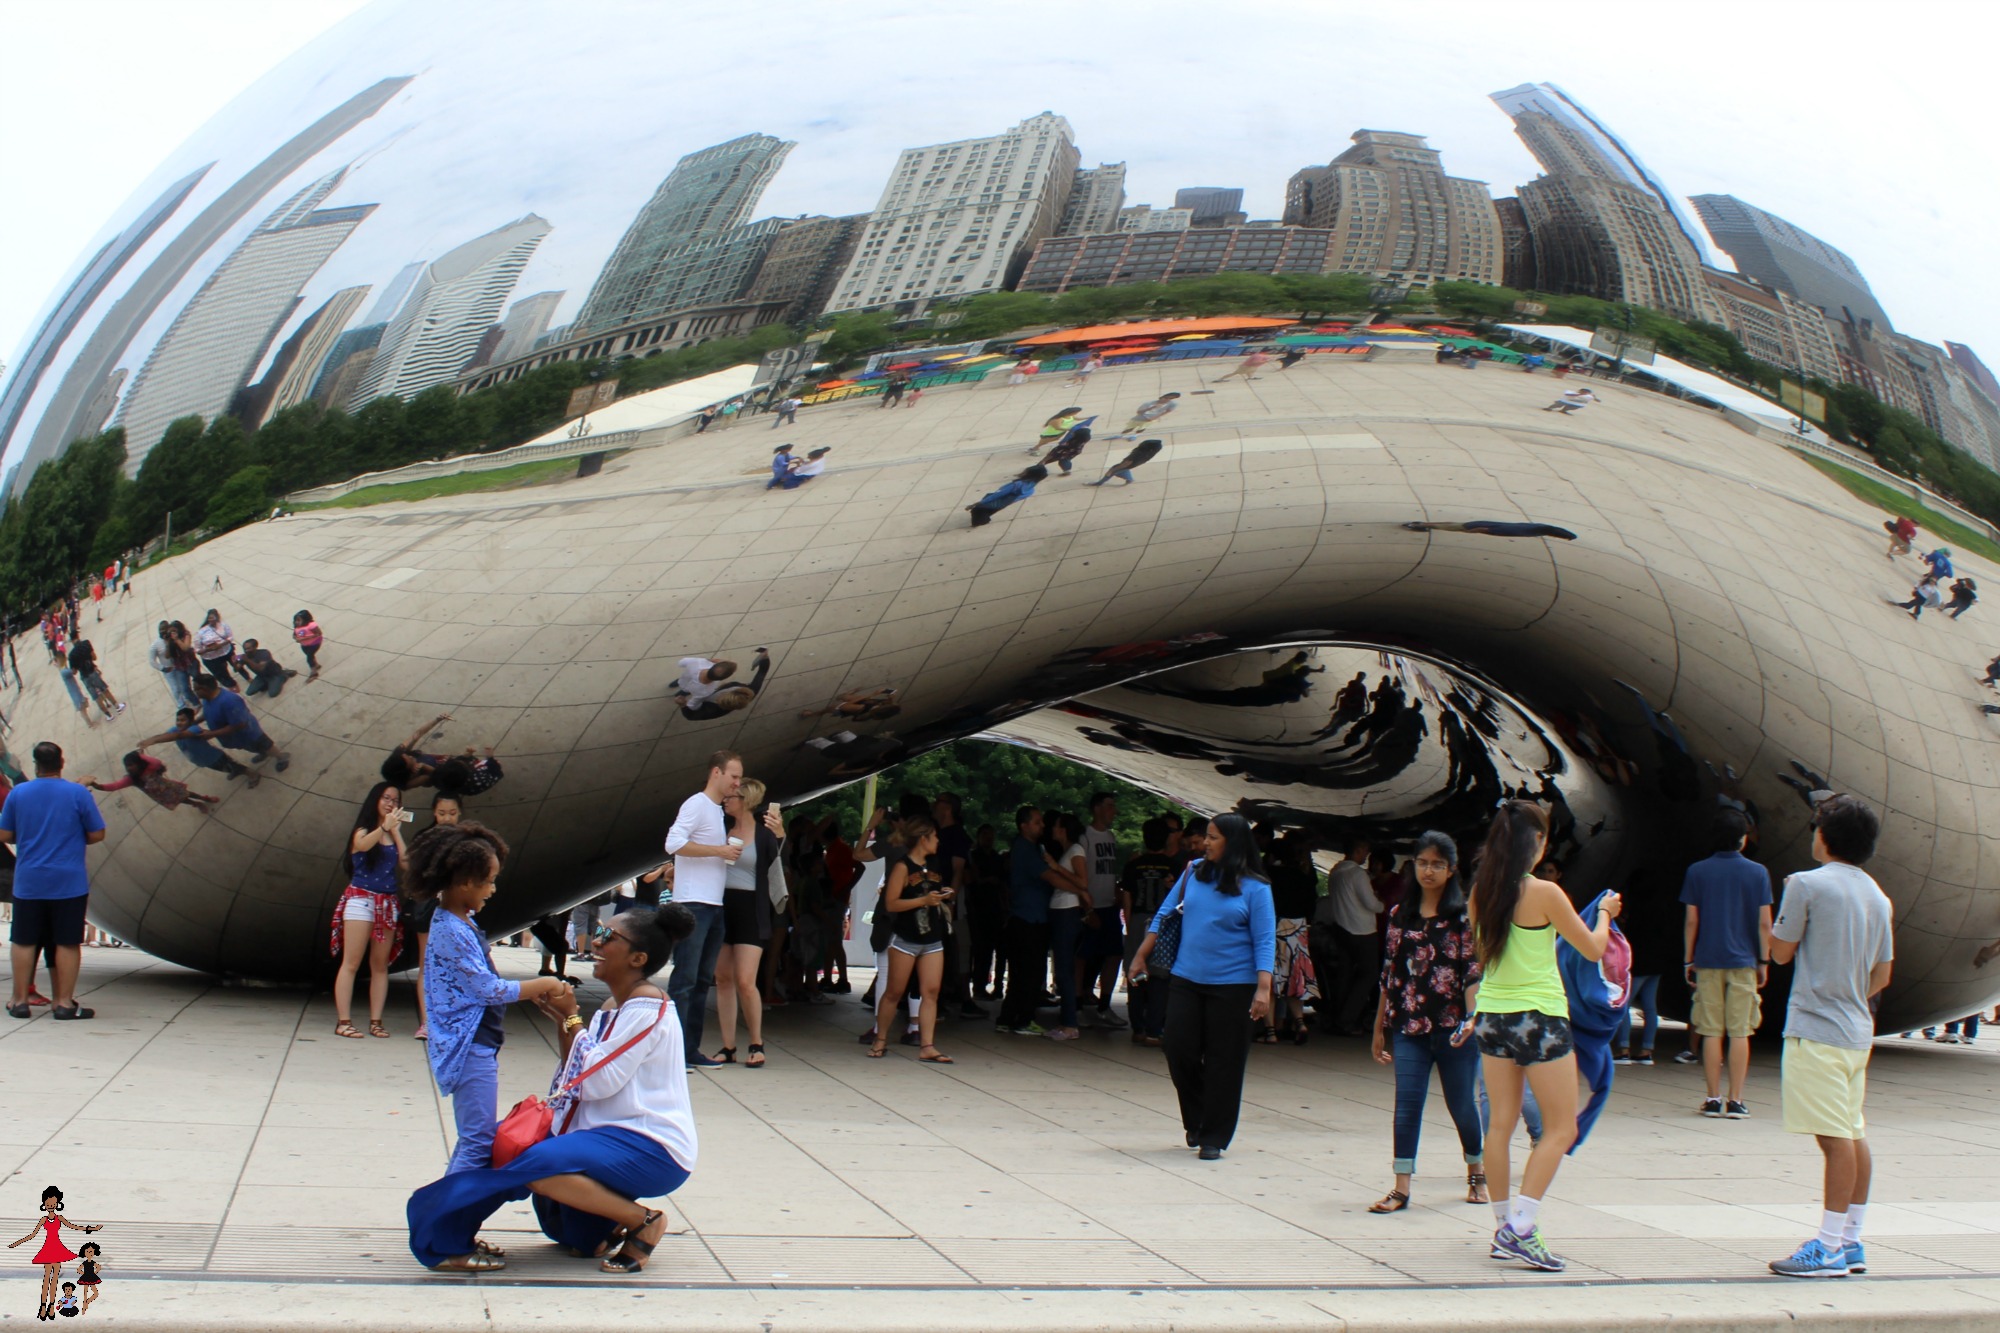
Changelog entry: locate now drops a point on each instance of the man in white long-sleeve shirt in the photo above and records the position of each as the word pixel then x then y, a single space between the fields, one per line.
pixel 1350 908
pixel 699 844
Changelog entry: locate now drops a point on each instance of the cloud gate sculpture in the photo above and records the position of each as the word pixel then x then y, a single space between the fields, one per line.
pixel 1712 631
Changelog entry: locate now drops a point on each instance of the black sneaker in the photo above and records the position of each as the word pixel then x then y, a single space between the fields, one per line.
pixel 1712 1108
pixel 1736 1111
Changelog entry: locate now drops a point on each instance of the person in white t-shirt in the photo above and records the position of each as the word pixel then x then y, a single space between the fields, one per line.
pixel 700 678
pixel 1070 916
pixel 700 845
pixel 1102 951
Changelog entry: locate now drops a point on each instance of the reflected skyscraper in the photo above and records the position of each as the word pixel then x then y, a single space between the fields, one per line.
pixel 221 335
pixel 527 319
pixel 290 379
pixel 1211 205
pixel 451 304
pixel 709 192
pixel 1396 216
pixel 1766 247
pixel 1096 197
pixel 76 299
pixel 61 418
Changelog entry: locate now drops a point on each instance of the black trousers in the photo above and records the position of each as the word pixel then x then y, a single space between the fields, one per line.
pixel 1359 976
pixel 1207 1043
pixel 1027 970
pixel 989 950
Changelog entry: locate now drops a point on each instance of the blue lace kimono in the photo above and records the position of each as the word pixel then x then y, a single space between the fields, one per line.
pixel 459 983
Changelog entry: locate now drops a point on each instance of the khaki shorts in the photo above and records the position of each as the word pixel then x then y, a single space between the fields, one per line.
pixel 1823 1088
pixel 1726 1002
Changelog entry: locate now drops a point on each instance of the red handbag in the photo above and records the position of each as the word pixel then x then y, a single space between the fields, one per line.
pixel 533 1119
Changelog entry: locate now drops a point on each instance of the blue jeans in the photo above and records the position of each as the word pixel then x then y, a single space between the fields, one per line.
pixel 475 1106
pixel 694 972
pixel 177 685
pixel 1065 932
pixel 1645 995
pixel 1531 1113
pixel 1458 1071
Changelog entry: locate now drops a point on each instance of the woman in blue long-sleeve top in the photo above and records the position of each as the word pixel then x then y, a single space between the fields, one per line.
pixel 1222 979
pixel 1020 488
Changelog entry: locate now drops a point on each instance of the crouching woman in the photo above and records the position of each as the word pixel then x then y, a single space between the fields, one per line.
pixel 623 1127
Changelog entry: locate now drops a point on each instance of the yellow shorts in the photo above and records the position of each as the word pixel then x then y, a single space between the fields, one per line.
pixel 1726 1002
pixel 1823 1088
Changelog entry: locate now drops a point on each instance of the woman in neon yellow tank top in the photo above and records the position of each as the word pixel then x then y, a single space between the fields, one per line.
pixel 1521 1019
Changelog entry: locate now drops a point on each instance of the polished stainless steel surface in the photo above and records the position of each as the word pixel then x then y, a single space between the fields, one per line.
pixel 1713 633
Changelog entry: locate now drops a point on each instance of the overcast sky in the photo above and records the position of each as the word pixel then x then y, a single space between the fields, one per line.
pixel 1860 124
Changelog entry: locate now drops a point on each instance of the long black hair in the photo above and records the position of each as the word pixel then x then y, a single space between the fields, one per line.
pixel 366 820
pixel 1512 845
pixel 1410 907
pixel 1059 829
pixel 1240 859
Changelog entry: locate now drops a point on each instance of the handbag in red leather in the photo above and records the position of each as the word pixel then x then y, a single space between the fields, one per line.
pixel 533 1119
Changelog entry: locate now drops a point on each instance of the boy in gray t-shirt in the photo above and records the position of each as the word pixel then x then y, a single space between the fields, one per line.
pixel 1835 923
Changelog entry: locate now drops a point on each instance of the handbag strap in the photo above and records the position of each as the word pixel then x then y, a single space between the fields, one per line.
pixel 636 1039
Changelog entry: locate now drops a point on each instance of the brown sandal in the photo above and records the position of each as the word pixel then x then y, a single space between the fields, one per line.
pixel 346 1029
pixel 936 1057
pixel 1395 1201
pixel 476 1262
pixel 1475 1187
pixel 879 1049
pixel 375 1028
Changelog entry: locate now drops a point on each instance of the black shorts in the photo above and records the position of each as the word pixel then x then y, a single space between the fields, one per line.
pixel 42 921
pixel 418 913
pixel 1530 1037
pixel 746 917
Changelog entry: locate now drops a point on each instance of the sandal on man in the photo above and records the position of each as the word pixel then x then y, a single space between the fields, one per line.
pixel 19 1011
pixel 375 1028
pixel 625 1261
pixel 1395 1201
pixel 754 1060
pixel 476 1262
pixel 346 1029
pixel 936 1057
pixel 1475 1187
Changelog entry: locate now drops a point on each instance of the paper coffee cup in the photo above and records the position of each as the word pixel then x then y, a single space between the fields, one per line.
pixel 736 842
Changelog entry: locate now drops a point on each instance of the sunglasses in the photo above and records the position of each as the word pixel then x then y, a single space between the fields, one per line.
pixel 605 934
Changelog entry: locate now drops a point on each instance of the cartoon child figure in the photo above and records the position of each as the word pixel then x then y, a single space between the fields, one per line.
pixel 66 1303
pixel 89 1273
pixel 53 1254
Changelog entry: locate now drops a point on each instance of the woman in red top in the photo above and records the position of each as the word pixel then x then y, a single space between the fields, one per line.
pixel 149 775
pixel 53 1254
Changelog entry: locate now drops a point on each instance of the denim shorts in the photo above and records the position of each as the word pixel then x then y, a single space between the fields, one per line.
pixel 1530 1037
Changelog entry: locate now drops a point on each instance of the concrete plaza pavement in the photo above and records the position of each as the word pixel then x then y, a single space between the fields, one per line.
pixel 251 1171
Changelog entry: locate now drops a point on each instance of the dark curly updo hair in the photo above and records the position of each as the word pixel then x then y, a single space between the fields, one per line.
pixel 53 1193
pixel 655 932
pixel 448 854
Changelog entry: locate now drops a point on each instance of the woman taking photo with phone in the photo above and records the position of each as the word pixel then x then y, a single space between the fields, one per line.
pixel 918 902
pixel 1222 979
pixel 1430 976
pixel 367 921
pixel 1521 1016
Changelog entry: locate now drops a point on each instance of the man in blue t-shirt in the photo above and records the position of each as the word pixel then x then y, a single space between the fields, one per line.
pixel 50 821
pixel 1728 957
pixel 230 721
pixel 1029 875
pixel 200 753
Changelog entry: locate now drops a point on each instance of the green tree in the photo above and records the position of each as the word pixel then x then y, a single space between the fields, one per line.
pixel 245 496
pixel 855 335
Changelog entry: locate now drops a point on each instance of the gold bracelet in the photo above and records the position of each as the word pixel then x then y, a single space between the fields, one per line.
pixel 573 1021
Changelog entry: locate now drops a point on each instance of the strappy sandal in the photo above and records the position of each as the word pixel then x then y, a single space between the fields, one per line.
pixel 936 1057
pixel 484 1248
pixel 375 1028
pixel 1266 1036
pixel 346 1029
pixel 878 1049
pixel 1300 1036
pixel 1395 1201
pixel 622 1262
pixel 477 1262
pixel 755 1059
pixel 1475 1187
pixel 727 1055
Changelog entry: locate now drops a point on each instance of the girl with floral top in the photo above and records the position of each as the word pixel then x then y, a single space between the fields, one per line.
pixel 1430 976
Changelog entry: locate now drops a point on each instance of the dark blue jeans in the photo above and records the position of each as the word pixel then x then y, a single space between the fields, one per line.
pixel 1458 1070
pixel 694 972
pixel 1646 996
pixel 1065 934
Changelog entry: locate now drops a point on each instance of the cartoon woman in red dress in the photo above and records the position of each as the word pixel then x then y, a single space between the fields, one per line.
pixel 53 1254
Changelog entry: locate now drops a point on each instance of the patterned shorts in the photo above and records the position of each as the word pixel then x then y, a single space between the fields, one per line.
pixel 1530 1037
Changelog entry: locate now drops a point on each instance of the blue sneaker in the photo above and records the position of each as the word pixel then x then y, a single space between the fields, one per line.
pixel 1813 1259
pixel 1857 1258
pixel 1529 1249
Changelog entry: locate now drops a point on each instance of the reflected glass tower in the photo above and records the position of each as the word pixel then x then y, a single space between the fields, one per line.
pixel 706 193
pixel 221 335
pixel 1789 258
pixel 449 308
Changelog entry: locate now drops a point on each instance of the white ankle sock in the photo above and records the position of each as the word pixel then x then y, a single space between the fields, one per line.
pixel 1521 1217
pixel 1500 1212
pixel 1856 1215
pixel 1830 1227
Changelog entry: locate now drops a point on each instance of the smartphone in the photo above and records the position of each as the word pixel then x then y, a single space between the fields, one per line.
pixel 777 812
pixel 404 816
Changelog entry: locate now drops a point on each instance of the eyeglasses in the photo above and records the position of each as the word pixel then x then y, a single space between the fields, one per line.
pixel 605 934
pixel 1427 863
